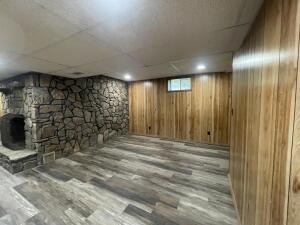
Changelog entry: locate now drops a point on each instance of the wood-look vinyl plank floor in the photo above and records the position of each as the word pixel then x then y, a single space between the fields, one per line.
pixel 129 180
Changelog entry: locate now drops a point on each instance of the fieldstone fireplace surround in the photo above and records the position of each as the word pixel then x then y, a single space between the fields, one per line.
pixel 61 115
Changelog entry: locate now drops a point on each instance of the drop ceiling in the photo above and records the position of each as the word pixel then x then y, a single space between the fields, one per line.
pixel 145 38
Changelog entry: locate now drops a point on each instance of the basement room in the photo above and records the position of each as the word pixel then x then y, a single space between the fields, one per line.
pixel 149 112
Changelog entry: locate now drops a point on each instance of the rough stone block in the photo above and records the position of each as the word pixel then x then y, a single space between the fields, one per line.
pixel 68 113
pixel 76 147
pixel 57 94
pixel 30 164
pixel 54 141
pixel 51 148
pixel 112 134
pixel 78 120
pixel 81 83
pixel 68 149
pixel 48 131
pixel 69 82
pixel 40 96
pixel 84 143
pixel 45 80
pixel 75 88
pixel 49 108
pixel 78 112
pixel 87 116
pixel 16 167
pixel 100 139
pixel 70 125
pixel 105 135
pixel 93 140
pixel 70 134
pixel 60 86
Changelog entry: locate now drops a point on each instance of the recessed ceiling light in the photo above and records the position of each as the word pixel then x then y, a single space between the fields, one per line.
pixel 127 76
pixel 201 67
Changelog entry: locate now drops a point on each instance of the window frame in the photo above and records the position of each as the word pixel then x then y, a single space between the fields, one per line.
pixel 179 78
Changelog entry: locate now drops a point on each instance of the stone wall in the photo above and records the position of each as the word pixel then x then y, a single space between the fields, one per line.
pixel 12 102
pixel 66 115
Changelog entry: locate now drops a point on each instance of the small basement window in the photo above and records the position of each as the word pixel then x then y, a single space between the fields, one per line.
pixel 180 84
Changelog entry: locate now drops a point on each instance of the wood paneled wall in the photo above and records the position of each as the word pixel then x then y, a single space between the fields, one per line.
pixel 188 115
pixel 294 194
pixel 263 102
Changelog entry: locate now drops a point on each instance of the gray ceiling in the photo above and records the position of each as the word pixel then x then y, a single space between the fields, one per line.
pixel 146 38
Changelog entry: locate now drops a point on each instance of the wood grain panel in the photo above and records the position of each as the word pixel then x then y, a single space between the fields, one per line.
pixel 187 115
pixel 294 190
pixel 263 97
pixel 285 110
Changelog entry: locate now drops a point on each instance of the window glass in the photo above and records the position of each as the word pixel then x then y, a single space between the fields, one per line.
pixel 182 84
pixel 175 85
pixel 186 84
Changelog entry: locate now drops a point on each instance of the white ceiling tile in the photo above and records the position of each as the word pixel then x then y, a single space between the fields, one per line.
pixel 210 43
pixel 162 70
pixel 9 72
pixel 213 63
pixel 7 57
pixel 6 70
pixel 77 50
pixel 118 64
pixel 129 38
pixel 73 72
pixel 173 13
pixel 158 22
pixel 28 64
pixel 26 27
pixel 143 73
pixel 86 13
pixel 249 11
pixel 94 68
pixel 156 71
pixel 155 56
pixel 239 35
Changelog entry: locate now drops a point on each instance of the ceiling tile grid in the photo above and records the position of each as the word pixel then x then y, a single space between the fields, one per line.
pixel 27 27
pixel 145 38
pixel 77 50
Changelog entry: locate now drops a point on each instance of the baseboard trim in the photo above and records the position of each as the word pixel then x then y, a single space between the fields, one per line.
pixel 234 201
pixel 225 147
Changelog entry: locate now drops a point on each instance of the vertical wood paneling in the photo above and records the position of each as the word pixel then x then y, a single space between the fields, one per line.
pixel 187 115
pixel 269 103
pixel 285 110
pixel 263 98
pixel 294 189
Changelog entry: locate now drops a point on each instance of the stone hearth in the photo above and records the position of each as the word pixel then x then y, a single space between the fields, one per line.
pixel 62 115
pixel 17 161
